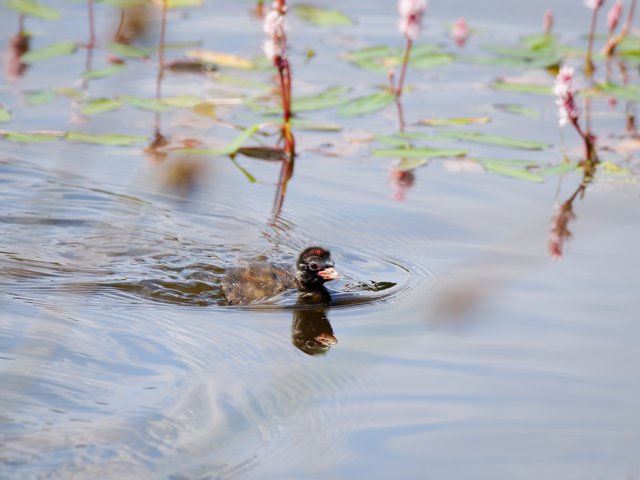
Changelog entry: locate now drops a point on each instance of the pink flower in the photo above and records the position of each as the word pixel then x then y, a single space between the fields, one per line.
pixel 460 32
pixel 593 4
pixel 548 21
pixel 411 12
pixel 565 90
pixel 275 45
pixel 613 17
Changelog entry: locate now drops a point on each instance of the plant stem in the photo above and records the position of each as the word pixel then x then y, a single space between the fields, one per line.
pixel 161 60
pixel 403 71
pixel 92 27
pixel 588 66
pixel 611 45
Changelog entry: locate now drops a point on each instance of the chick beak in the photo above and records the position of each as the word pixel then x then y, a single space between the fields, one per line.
pixel 326 339
pixel 329 274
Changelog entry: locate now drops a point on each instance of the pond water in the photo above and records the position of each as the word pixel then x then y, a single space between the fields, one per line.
pixel 464 349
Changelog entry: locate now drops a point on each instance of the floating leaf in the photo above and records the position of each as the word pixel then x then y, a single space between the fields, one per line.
pixel 241 81
pixel 182 101
pixel 52 51
pixel 32 137
pixel 392 140
pixel 205 109
pixel 309 126
pixel 147 103
pixel 408 164
pixel 72 93
pixel 103 72
pixel 496 140
pixel 614 168
pixel 328 98
pixel 367 104
pixel 230 148
pixel 101 105
pixel 126 3
pixel 32 8
pixel 443 122
pixel 430 60
pixel 624 92
pixel 368 53
pixel 182 3
pixel 557 169
pixel 538 41
pixel 123 50
pixel 522 87
pixel 321 16
pixel 35 99
pixel 518 110
pixel 418 152
pixel 114 139
pixel 223 59
pixel 512 168
pixel 417 135
pixel 5 115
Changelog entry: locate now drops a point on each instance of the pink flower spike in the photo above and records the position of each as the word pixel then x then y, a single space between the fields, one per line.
pixel 613 17
pixel 275 45
pixel 593 4
pixel 460 32
pixel 547 23
pixel 565 92
pixel 411 12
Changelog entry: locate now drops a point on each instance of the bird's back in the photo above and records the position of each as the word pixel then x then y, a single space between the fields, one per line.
pixel 252 283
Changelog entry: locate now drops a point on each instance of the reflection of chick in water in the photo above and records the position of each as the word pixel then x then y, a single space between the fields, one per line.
pixel 311 331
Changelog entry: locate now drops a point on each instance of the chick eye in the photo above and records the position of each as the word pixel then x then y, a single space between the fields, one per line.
pixel 313 266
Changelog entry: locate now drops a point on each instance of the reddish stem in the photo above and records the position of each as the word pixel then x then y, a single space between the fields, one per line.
pixel 403 71
pixel 92 28
pixel 161 60
pixel 588 66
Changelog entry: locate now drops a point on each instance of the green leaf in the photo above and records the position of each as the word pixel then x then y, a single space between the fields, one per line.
pixel 446 122
pixel 128 51
pixel 52 51
pixel 240 81
pixel 418 152
pixel 182 101
pixel 250 177
pixel 408 164
pixel 518 110
pixel 147 104
pixel 392 140
pixel 101 105
pixel 369 53
pixel 367 104
pixel 417 135
pixel 538 41
pixel 31 137
pixel 623 92
pixel 309 126
pixel 230 148
pixel 35 99
pixel 103 72
pixel 328 98
pixel 71 93
pixel 523 88
pixel 126 3
pixel 171 4
pixel 508 169
pixel 431 60
pixel 5 115
pixel 105 139
pixel 496 140
pixel 557 169
pixel 321 17
pixel 31 8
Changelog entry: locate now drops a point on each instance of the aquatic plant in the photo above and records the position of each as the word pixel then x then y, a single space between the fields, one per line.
pixel 275 49
pixel 594 6
pixel 411 13
pixel 460 32
pixel 613 42
pixel 547 22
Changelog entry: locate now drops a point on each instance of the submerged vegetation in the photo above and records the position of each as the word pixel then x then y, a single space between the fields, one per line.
pixel 264 112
